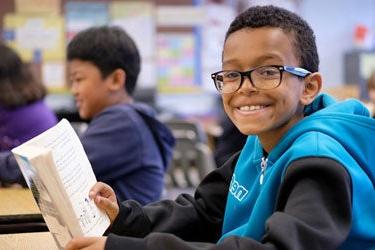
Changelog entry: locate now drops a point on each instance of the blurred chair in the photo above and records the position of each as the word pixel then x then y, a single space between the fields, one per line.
pixel 192 158
pixel 146 95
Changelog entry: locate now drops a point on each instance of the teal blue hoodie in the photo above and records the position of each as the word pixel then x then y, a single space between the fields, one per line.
pixel 341 131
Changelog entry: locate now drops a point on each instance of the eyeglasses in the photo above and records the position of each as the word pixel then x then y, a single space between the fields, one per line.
pixel 261 78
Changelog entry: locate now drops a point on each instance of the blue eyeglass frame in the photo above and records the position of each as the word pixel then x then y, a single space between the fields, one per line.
pixel 297 71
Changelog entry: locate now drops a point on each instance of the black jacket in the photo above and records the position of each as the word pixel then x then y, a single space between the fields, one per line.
pixel 192 223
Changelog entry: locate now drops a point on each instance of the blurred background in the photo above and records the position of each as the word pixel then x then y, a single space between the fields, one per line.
pixel 181 42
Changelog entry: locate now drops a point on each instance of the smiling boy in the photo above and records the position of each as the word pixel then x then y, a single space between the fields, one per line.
pixel 305 177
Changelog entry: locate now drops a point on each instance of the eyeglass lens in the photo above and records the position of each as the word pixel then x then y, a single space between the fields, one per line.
pixel 268 77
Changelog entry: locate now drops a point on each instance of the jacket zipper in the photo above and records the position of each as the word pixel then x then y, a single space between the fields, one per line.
pixel 263 166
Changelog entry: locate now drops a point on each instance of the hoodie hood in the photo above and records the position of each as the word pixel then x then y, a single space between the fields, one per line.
pixel 347 122
pixel 162 135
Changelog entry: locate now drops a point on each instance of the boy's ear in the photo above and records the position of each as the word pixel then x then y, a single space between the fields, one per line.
pixel 313 85
pixel 118 78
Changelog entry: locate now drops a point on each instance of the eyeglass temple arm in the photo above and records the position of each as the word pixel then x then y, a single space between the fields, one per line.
pixel 297 71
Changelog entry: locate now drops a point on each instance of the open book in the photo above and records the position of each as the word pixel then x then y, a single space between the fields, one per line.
pixel 56 169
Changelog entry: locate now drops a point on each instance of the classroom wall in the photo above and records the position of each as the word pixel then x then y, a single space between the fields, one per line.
pixel 333 22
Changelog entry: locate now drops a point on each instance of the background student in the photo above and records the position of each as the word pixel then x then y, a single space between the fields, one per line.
pixel 305 177
pixel 126 145
pixel 23 113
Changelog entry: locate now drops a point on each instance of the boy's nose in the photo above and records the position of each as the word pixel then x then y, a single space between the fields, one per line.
pixel 247 85
pixel 73 89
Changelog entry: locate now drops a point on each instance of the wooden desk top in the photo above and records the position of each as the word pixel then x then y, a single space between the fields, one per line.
pixel 16 201
pixel 27 241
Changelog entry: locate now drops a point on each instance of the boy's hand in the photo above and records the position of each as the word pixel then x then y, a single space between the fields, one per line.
pixel 105 198
pixel 92 243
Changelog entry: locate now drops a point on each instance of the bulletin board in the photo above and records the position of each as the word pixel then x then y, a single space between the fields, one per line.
pixel 36 38
pixel 176 62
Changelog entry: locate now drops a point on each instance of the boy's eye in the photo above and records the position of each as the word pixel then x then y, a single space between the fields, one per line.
pixel 76 80
pixel 268 72
pixel 230 75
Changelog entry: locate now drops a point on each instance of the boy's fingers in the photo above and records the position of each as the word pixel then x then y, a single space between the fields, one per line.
pixel 105 204
pixel 79 242
pixel 111 208
pixel 98 188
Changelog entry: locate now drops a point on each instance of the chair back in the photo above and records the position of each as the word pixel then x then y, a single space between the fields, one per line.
pixel 192 157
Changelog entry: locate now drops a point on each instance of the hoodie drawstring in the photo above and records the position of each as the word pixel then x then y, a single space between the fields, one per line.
pixel 263 166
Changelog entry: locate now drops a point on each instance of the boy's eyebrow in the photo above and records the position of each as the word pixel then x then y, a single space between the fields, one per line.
pixel 270 56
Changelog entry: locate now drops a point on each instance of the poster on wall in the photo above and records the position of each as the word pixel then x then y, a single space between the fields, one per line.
pixel 39 39
pixel 82 15
pixel 35 38
pixel 177 63
pixel 213 33
pixel 137 18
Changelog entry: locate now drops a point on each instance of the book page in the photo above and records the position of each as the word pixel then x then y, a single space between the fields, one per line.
pixel 75 174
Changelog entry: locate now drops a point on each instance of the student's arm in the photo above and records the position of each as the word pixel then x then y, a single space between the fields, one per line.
pixel 311 214
pixel 197 218
pixel 9 170
pixel 112 144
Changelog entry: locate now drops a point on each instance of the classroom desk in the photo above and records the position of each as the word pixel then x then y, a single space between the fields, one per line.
pixel 19 212
pixel 17 201
pixel 27 241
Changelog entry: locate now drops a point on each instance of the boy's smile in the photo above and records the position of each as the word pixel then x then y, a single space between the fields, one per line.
pixel 266 113
pixel 88 87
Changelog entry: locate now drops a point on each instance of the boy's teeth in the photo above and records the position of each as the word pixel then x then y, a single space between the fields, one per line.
pixel 250 108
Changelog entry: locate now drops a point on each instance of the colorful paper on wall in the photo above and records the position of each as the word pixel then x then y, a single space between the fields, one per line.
pixel 35 38
pixel 176 62
pixel 82 15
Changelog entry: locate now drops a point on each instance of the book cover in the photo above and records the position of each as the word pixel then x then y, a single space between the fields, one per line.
pixel 57 171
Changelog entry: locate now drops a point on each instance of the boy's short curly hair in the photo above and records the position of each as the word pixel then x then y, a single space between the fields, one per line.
pixel 289 22
pixel 108 48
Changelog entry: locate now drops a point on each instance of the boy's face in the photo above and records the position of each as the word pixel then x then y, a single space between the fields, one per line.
pixel 90 90
pixel 266 113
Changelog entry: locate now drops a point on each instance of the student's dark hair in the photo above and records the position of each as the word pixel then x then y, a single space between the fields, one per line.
pixel 18 84
pixel 290 23
pixel 108 48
